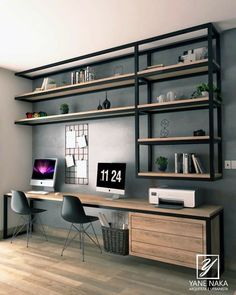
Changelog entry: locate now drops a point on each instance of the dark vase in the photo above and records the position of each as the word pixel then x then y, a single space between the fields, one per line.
pixel 99 106
pixel 106 104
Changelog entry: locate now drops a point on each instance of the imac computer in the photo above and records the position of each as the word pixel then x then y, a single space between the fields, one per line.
pixel 111 179
pixel 44 174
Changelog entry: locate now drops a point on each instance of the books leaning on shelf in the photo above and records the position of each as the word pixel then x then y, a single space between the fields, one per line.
pixel 197 164
pixel 188 163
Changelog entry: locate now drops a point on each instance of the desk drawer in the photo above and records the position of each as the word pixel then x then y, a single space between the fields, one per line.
pixel 169 225
pixel 164 254
pixel 168 240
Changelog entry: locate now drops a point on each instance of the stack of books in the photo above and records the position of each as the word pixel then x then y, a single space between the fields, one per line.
pixel 188 163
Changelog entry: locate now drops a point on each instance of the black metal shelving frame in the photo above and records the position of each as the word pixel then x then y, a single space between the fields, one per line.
pixel 208 67
pixel 213 67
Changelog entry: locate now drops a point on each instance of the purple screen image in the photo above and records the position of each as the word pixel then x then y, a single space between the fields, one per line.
pixel 43 169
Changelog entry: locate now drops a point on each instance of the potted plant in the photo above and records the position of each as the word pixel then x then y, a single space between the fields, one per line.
pixel 203 90
pixel 64 108
pixel 162 163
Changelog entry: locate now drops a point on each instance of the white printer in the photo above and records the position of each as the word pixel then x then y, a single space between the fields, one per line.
pixel 174 198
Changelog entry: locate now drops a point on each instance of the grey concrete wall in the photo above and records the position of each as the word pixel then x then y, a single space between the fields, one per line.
pixel 113 139
pixel 16 141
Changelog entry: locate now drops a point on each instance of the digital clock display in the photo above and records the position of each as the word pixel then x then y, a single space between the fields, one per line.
pixel 111 175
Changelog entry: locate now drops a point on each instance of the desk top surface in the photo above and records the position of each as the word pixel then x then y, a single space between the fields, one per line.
pixel 130 204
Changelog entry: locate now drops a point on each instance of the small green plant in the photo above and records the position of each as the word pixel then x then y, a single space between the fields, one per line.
pixel 204 87
pixel 64 108
pixel 51 82
pixel 162 163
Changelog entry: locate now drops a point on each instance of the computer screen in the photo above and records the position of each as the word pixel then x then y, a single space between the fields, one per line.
pixel 44 172
pixel 111 178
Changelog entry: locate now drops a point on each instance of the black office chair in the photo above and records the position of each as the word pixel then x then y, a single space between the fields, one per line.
pixel 20 205
pixel 73 212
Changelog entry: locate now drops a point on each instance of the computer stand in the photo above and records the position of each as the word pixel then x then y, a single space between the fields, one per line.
pixel 113 197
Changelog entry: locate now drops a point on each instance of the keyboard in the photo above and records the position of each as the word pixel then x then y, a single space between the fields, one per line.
pixel 38 192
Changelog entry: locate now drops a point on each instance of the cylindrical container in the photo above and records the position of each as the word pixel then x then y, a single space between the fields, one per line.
pixel 76 77
pixel 72 78
pixel 81 76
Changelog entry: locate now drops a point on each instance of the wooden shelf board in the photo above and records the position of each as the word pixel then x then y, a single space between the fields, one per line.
pixel 175 70
pixel 95 85
pixel 113 112
pixel 116 81
pixel 192 139
pixel 190 102
pixel 177 175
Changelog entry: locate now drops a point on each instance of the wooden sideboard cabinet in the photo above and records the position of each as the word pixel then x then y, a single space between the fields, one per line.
pixel 172 239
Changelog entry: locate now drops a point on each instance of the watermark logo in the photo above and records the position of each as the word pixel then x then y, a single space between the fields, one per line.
pixel 208 267
pixel 208 274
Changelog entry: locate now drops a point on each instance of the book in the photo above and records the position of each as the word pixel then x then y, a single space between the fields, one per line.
pixel 199 164
pixel 195 164
pixel 185 163
pixel 178 163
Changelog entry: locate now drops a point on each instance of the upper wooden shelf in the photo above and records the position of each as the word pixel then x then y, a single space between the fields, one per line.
pixel 124 80
pixel 176 105
pixel 86 87
pixel 89 115
pixel 177 140
pixel 205 176
pixel 180 69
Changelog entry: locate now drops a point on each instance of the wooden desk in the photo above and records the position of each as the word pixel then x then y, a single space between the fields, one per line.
pixel 209 218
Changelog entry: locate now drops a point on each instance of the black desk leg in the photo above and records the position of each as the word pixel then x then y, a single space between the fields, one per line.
pixel 208 248
pixel 222 259
pixel 5 217
pixel 32 216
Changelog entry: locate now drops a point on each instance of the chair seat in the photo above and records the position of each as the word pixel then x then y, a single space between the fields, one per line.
pixel 37 210
pixel 84 219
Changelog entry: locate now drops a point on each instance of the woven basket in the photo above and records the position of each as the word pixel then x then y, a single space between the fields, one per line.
pixel 116 240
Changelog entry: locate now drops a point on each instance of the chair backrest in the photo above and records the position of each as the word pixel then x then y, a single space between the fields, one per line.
pixel 72 209
pixel 19 203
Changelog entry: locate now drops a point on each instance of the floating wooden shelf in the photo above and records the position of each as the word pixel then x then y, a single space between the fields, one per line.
pixel 86 87
pixel 180 69
pixel 177 105
pixel 205 176
pixel 117 81
pixel 177 140
pixel 89 115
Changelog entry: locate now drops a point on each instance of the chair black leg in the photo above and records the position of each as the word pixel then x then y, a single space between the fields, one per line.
pixel 43 231
pixel 65 244
pixel 80 229
pixel 28 231
pixel 96 237
pixel 18 228
pixel 82 242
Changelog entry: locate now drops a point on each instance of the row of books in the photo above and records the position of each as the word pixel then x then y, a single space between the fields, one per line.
pixel 188 163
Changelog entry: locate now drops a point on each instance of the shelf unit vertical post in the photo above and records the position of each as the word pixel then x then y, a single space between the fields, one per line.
pixel 136 86
pixel 149 115
pixel 219 108
pixel 211 99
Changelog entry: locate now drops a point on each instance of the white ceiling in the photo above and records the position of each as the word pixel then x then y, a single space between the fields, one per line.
pixel 37 32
